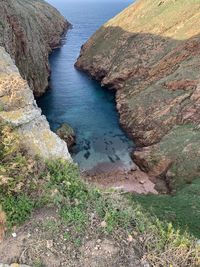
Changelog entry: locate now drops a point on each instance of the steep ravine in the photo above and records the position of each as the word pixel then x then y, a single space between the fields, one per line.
pixel 150 54
pixel 29 30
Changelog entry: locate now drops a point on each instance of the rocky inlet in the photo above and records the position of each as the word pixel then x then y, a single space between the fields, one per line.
pixel 152 59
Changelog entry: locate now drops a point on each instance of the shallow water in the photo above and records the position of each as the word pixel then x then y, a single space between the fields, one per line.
pixel 80 101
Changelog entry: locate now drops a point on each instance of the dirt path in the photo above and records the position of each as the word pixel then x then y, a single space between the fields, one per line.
pixel 45 241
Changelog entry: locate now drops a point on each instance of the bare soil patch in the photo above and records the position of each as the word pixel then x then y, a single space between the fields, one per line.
pixel 45 241
pixel 134 181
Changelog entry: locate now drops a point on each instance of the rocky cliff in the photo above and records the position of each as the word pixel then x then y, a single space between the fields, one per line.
pixel 150 53
pixel 29 29
pixel 19 109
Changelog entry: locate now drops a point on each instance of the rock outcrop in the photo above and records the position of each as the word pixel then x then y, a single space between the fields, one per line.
pixel 150 53
pixel 29 30
pixel 66 133
pixel 19 109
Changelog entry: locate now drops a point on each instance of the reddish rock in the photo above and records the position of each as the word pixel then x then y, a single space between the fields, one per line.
pixel 153 62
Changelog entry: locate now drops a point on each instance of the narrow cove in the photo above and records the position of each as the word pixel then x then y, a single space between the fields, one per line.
pixel 81 102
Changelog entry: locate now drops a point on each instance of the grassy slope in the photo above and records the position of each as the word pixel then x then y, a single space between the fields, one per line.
pixel 27 184
pixel 149 109
pixel 181 209
pixel 147 15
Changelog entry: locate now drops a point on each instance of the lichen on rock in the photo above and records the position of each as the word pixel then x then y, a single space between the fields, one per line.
pixel 19 109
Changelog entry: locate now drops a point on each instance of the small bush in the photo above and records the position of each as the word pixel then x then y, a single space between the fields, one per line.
pixel 162 245
pixel 18 209
pixel 19 173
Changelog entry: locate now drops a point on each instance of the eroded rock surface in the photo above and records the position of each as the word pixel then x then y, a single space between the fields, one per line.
pixel 66 133
pixel 29 30
pixel 150 53
pixel 18 108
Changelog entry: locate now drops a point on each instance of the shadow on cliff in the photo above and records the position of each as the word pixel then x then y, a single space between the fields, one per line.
pixel 151 70
pixel 157 79
pixel 114 49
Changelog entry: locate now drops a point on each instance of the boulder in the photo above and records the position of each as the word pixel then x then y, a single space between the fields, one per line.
pixel 66 133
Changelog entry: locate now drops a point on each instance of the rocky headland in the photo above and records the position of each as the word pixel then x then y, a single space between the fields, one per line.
pixel 150 54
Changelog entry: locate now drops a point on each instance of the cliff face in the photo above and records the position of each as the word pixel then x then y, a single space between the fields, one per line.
pixel 18 108
pixel 29 29
pixel 150 53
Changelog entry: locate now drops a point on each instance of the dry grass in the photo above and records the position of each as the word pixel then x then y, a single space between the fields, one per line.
pixel 2 224
pixel 178 250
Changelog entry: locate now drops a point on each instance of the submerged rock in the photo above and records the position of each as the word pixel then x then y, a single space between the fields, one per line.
pixel 66 133
pixel 19 109
pixel 150 53
pixel 29 30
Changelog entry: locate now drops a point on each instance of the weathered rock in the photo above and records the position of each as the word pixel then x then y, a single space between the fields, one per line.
pixel 18 108
pixel 66 133
pixel 175 158
pixel 150 53
pixel 29 30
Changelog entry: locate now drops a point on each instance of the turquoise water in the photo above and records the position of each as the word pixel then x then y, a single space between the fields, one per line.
pixel 80 101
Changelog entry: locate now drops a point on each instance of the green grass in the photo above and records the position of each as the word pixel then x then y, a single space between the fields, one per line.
pixel 182 209
pixel 29 183
pixel 120 216
pixel 18 209
pixel 75 216
pixel 38 263
pixel 76 200
pixel 51 225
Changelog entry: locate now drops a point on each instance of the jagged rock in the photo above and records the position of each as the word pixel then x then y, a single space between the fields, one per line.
pixel 66 133
pixel 18 108
pixel 150 53
pixel 29 30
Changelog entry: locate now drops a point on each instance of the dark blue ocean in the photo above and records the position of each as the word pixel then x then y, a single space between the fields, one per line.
pixel 75 98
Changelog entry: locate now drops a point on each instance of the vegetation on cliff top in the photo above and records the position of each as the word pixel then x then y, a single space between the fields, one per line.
pixel 28 184
pixel 150 52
